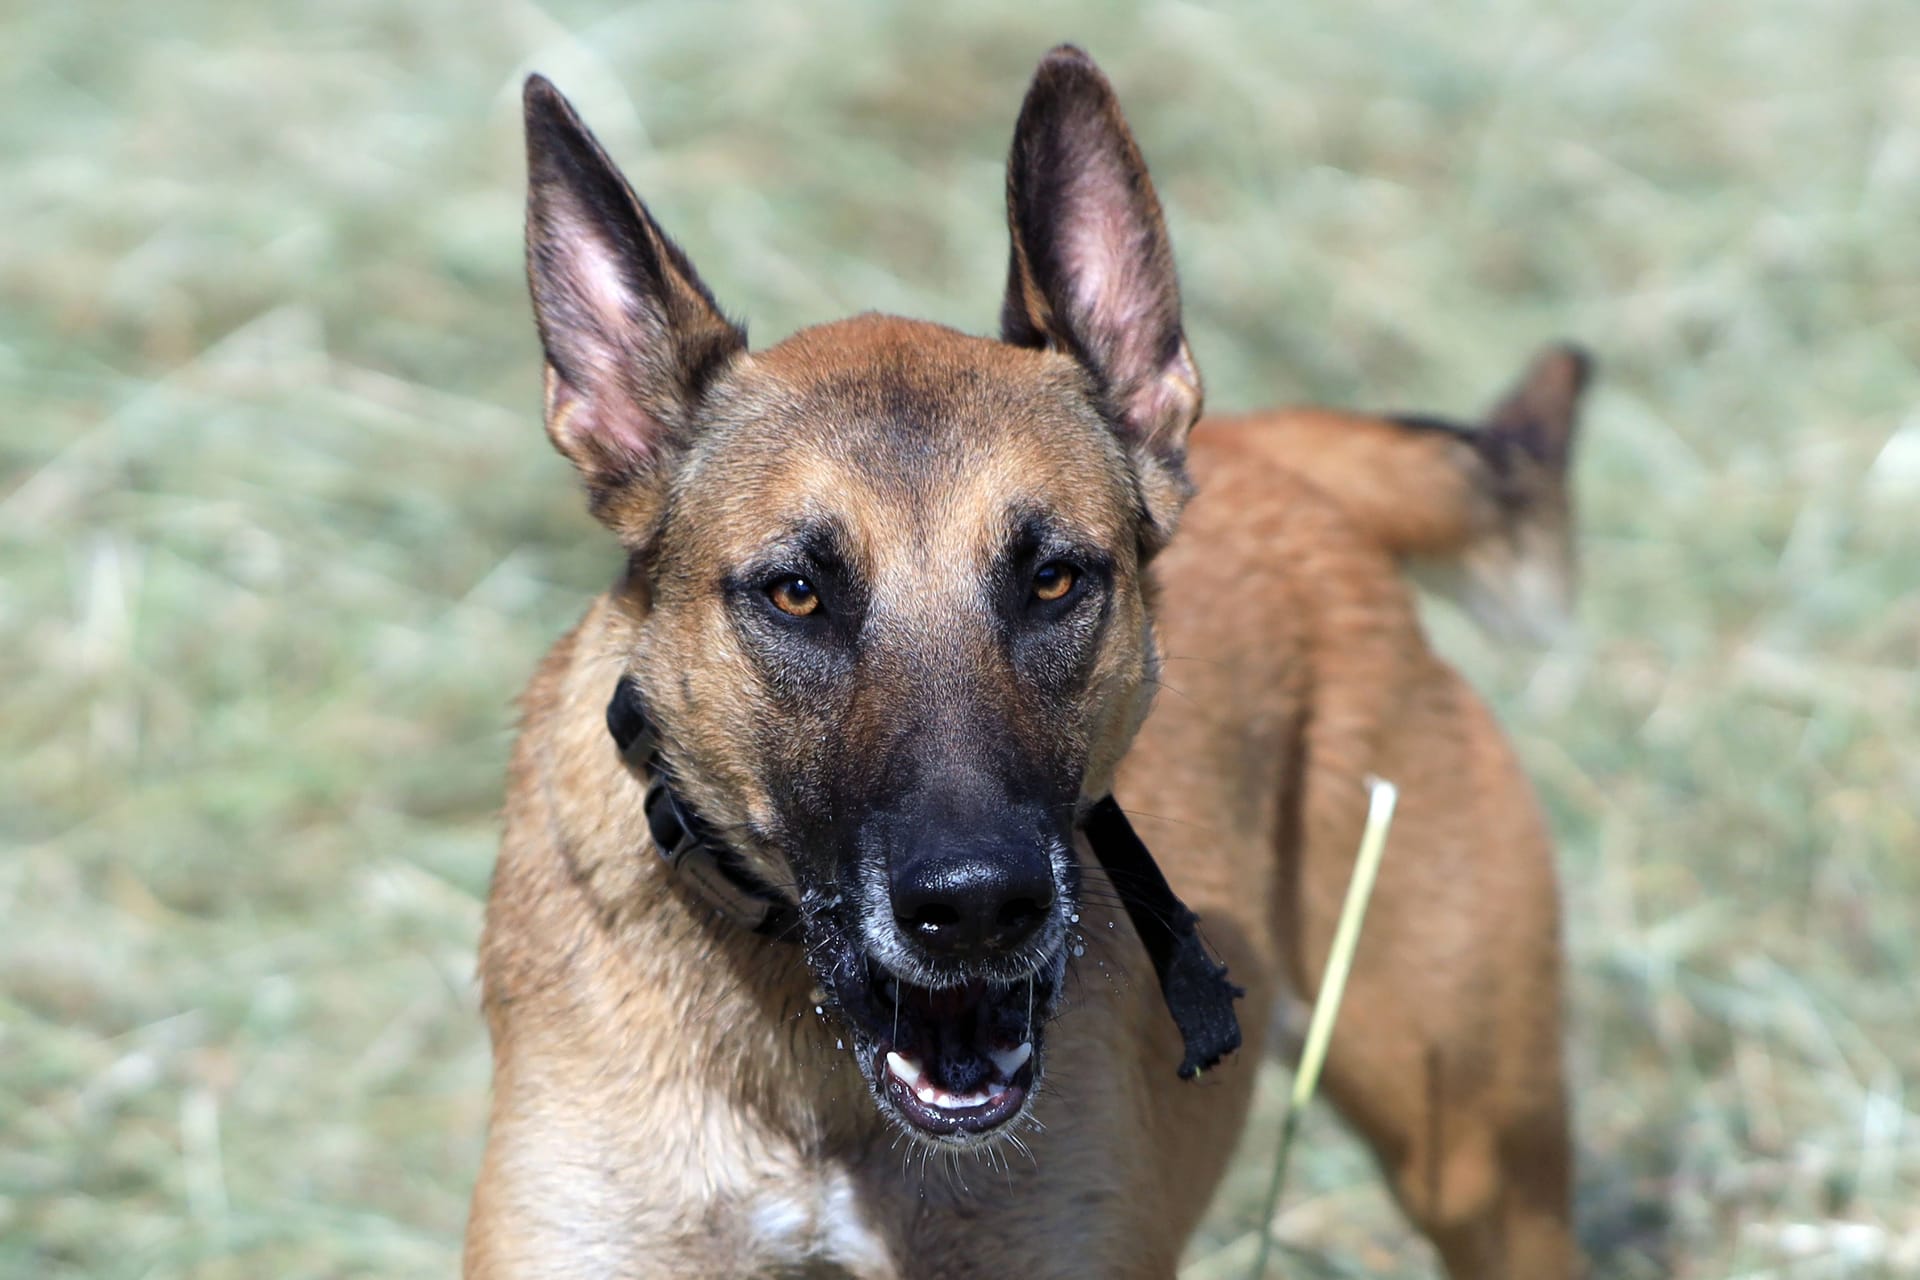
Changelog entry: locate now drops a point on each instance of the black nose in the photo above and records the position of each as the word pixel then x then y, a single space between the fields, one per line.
pixel 970 905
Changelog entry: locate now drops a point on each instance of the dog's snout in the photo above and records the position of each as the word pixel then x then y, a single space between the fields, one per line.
pixel 971 903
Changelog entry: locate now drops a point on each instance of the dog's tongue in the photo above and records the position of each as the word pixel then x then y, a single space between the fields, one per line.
pixel 958 1062
pixel 956 1058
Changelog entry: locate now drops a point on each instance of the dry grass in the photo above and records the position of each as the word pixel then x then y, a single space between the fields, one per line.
pixel 279 537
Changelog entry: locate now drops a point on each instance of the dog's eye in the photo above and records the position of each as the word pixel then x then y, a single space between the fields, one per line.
pixel 795 596
pixel 1053 580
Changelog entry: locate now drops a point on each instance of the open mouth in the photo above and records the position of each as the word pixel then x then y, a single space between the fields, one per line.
pixel 961 1060
pixel 955 1064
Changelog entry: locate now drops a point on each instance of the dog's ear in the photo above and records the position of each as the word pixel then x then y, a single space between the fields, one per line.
pixel 1092 271
pixel 632 337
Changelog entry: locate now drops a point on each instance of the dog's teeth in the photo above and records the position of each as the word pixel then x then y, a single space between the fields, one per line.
pixel 905 1070
pixel 914 1077
pixel 934 1096
pixel 1011 1060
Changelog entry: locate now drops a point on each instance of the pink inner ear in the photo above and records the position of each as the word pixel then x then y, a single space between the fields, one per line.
pixel 593 274
pixel 595 408
pixel 1108 255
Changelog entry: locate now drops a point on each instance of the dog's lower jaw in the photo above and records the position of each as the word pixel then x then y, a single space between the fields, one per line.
pixel 938 1117
pixel 952 1054
pixel 956 1067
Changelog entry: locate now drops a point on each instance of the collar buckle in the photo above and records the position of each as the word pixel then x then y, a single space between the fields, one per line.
pixel 685 848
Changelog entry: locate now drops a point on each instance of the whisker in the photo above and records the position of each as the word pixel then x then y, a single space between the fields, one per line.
pixel 1170 820
pixel 1162 684
pixel 1023 1149
pixel 1191 657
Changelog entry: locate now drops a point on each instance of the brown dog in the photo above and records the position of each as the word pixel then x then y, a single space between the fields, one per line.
pixel 888 627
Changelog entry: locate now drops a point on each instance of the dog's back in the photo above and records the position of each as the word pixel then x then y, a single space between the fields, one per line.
pixel 1480 513
pixel 1294 668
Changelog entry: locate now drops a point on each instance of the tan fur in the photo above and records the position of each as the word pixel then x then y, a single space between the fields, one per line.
pixel 1481 514
pixel 666 1100
pixel 638 1042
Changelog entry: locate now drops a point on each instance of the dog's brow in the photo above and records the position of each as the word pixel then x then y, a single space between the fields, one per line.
pixel 1037 530
pixel 819 541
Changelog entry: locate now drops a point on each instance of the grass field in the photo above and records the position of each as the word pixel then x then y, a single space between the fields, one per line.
pixel 280 537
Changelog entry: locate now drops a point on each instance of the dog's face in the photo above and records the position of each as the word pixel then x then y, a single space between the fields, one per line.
pixel 888 583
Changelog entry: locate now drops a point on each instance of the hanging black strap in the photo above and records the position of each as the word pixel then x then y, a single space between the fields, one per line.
pixel 1195 987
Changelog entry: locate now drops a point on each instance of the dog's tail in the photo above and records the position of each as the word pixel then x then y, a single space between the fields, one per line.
pixel 1480 513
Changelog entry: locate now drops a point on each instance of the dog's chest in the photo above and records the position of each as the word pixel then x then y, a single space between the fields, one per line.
pixel 813 1222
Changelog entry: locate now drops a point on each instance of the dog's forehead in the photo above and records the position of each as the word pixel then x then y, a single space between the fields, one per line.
pixel 906 434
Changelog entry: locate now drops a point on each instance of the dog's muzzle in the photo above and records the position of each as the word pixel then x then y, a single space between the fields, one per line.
pixel 950 1056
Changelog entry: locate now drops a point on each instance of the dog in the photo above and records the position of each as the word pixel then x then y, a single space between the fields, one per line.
pixel 896 605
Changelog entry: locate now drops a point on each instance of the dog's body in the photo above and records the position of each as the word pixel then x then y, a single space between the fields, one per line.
pixel 677 1096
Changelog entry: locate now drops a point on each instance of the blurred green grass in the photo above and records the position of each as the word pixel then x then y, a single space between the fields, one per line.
pixel 280 537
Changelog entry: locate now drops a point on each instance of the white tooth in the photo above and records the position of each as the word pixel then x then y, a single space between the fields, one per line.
pixel 935 1096
pixel 1012 1060
pixel 913 1076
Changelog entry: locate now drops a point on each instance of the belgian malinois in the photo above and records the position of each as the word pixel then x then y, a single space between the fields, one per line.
pixel 896 602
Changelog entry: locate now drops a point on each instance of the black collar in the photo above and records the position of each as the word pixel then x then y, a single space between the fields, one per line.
pixel 1194 985
pixel 710 866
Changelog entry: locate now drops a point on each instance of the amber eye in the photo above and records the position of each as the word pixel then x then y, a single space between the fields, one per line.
pixel 1052 580
pixel 795 596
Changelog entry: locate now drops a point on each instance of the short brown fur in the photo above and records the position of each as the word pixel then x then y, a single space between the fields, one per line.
pixel 667 1103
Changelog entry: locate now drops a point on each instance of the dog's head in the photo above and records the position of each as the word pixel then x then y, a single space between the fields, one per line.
pixel 888 583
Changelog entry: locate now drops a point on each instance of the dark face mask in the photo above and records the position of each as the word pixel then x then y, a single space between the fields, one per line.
pixel 1193 984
